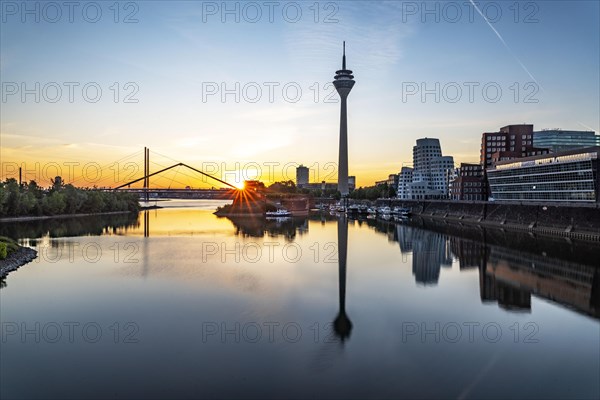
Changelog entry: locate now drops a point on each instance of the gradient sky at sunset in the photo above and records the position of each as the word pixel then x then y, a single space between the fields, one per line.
pixel 178 52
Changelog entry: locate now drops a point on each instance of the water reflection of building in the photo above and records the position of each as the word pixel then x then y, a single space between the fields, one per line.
pixel 571 284
pixel 509 297
pixel 509 272
pixel 430 250
pixel 468 252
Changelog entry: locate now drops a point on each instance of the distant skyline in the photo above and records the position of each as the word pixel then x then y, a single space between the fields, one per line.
pixel 178 56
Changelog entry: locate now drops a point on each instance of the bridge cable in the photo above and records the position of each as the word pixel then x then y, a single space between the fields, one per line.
pixel 102 168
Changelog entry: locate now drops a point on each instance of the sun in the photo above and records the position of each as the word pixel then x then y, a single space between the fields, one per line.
pixel 240 185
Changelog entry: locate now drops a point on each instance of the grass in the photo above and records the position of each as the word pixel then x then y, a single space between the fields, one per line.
pixel 7 246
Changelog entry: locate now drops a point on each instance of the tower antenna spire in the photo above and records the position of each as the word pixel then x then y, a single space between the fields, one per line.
pixel 344 57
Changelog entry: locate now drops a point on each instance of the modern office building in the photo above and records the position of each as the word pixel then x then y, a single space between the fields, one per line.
pixel 469 183
pixel 512 141
pixel 430 176
pixel 405 178
pixel 568 176
pixel 557 140
pixel 302 174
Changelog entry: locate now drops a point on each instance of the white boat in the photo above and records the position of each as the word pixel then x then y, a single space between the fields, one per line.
pixel 353 209
pixel 405 212
pixel 384 210
pixel 278 214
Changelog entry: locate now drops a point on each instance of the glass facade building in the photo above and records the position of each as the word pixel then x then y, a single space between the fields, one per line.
pixel 570 176
pixel 557 140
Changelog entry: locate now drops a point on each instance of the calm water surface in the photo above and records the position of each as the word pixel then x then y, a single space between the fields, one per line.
pixel 178 303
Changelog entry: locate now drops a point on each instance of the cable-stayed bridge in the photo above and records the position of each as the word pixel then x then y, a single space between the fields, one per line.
pixel 164 181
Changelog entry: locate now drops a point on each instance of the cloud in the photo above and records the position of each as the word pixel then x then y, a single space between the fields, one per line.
pixel 372 30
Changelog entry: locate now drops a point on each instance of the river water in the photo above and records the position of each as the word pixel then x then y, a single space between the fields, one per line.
pixel 179 303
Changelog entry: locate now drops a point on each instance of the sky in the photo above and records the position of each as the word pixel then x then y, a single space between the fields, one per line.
pixel 243 89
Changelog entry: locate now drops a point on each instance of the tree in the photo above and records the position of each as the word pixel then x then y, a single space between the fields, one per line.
pixel 30 199
pixel 283 187
pixel 55 203
pixel 13 197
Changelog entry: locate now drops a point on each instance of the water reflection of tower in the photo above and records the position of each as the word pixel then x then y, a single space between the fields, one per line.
pixel 342 325
pixel 430 250
pixel 145 243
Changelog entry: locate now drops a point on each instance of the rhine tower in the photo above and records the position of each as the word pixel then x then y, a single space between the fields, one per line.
pixel 344 81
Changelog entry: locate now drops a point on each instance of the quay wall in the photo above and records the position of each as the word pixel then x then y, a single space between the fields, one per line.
pixel 571 220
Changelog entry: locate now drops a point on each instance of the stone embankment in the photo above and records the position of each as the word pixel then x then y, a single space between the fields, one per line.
pixel 16 259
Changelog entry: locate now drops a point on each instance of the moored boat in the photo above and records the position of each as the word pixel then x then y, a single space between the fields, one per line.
pixel 280 213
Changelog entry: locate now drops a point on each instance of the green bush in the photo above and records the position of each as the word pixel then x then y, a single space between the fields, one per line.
pixel 9 244
pixel 3 251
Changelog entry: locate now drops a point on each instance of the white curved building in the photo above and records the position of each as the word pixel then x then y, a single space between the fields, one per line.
pixel 430 175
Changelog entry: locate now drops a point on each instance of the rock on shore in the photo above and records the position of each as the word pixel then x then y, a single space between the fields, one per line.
pixel 16 259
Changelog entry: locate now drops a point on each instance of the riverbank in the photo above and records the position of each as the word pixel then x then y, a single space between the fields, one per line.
pixel 43 217
pixel 154 207
pixel 16 259
pixel 580 221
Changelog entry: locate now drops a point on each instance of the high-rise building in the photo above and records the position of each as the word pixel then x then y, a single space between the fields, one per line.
pixel 344 81
pixel 425 151
pixel 512 141
pixel 558 140
pixel 302 176
pixel 430 174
